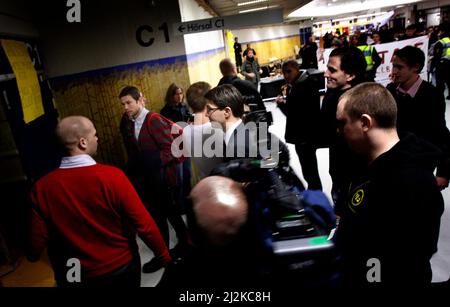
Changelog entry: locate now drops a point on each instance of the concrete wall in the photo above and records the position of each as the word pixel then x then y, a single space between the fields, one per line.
pixel 90 62
pixel 15 19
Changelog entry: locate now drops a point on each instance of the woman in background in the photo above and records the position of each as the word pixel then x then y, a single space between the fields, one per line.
pixel 175 108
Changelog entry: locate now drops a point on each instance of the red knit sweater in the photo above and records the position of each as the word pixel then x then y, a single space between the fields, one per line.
pixel 83 213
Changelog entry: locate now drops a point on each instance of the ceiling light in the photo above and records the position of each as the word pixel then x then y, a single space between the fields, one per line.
pixel 258 9
pixel 317 8
pixel 250 2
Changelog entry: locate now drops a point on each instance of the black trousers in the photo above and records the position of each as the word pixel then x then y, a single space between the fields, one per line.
pixel 238 61
pixel 163 207
pixel 443 76
pixel 307 155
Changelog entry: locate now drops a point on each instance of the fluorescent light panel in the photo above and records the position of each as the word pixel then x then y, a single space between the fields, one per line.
pixel 317 9
pixel 251 2
pixel 258 9
pixel 359 16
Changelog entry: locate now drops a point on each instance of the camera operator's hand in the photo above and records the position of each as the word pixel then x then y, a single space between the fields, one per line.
pixel 280 100
pixel 442 182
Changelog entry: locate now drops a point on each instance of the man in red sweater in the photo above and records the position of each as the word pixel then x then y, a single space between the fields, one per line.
pixel 87 214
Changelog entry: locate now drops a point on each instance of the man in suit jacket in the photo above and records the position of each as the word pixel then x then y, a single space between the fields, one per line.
pixel 302 110
pixel 421 106
pixel 225 106
pixel 248 90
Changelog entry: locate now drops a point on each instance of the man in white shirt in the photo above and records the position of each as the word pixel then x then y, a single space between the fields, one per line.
pixel 200 138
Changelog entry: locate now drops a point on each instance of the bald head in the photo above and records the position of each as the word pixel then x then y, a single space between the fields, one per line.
pixel 77 135
pixel 220 208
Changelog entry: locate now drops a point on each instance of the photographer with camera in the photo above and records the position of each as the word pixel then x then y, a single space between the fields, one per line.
pixel 226 250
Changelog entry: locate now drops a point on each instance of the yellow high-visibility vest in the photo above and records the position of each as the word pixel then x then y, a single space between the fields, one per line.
pixel 446 45
pixel 367 51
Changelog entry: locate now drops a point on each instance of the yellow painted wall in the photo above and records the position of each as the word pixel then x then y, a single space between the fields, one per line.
pixel 206 68
pixel 97 98
pixel 282 48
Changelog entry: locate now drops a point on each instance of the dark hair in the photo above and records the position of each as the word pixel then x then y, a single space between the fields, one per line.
pixel 373 99
pixel 362 39
pixel 130 90
pixel 195 96
pixel 227 96
pixel 445 28
pixel 290 63
pixel 353 62
pixel 412 56
pixel 171 91
pixel 412 27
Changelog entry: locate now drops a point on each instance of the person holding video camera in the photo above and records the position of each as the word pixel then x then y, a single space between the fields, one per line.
pixel 226 251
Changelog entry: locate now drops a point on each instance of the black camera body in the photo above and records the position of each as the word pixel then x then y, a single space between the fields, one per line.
pixel 299 245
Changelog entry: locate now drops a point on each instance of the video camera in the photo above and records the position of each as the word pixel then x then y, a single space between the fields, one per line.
pixel 286 218
pixel 293 223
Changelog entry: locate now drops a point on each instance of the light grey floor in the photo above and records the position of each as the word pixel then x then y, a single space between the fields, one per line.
pixel 440 261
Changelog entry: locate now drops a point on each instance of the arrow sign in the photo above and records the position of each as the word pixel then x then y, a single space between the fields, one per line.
pixel 229 22
pixel 196 26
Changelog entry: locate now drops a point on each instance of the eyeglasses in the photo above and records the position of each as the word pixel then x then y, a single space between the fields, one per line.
pixel 210 110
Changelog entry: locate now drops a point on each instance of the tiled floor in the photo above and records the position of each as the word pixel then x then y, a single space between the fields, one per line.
pixel 40 274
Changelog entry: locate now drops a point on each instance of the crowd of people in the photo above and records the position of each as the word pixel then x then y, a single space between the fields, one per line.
pixel 384 143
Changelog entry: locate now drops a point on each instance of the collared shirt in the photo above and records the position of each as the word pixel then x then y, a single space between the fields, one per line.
pixel 413 89
pixel 77 161
pixel 139 121
pixel 229 132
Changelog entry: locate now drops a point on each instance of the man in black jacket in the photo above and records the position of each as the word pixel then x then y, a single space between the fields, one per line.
pixel 248 90
pixel 346 68
pixel 302 110
pixel 390 216
pixel 421 106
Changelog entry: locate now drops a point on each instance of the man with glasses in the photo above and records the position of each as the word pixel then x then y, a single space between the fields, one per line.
pixel 226 107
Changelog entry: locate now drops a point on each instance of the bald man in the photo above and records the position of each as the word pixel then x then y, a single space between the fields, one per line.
pixel 220 209
pixel 248 90
pixel 228 248
pixel 83 212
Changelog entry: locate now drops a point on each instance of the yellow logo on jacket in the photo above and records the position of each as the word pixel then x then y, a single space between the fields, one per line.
pixel 358 198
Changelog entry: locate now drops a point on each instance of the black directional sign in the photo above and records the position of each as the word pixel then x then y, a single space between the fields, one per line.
pixel 196 26
pixel 230 22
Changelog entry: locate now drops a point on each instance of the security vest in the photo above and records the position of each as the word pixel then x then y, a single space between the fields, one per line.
pixel 367 51
pixel 446 48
